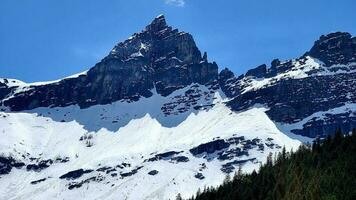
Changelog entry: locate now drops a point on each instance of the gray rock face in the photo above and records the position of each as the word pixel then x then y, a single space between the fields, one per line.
pixel 314 127
pixel 335 48
pixel 258 72
pixel 4 90
pixel 230 84
pixel 291 100
pixel 159 56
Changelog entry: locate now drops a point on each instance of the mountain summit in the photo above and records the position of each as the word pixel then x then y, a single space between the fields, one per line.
pixel 158 24
pixel 158 57
pixel 335 48
pixel 166 59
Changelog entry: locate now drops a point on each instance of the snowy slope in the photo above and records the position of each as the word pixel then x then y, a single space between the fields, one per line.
pixel 17 83
pixel 122 142
pixel 21 86
pixel 301 68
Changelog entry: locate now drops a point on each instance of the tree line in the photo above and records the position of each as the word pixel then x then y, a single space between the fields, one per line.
pixel 324 170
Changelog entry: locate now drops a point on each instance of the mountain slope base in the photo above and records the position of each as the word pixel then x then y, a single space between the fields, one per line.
pixel 325 171
pixel 112 151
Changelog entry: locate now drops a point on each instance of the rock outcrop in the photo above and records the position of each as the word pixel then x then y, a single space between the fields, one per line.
pixel 321 80
pixel 334 48
pixel 158 57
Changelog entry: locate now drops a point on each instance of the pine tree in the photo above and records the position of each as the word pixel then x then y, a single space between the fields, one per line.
pixel 325 171
pixel 269 159
pixel 179 197
pixel 227 179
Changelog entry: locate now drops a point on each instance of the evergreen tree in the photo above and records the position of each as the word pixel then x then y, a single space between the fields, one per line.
pixel 179 197
pixel 325 170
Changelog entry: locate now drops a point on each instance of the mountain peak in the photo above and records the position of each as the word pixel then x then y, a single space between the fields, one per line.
pixel 158 23
pixel 334 36
pixel 159 56
pixel 160 16
pixel 334 48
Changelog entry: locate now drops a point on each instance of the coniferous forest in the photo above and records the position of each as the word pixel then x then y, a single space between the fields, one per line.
pixel 326 171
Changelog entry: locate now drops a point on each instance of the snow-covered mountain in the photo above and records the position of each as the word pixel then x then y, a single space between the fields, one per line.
pixel 155 118
pixel 311 96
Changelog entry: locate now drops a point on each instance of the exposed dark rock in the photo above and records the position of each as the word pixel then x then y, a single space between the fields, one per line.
pixel 184 102
pixel 62 160
pixel 258 72
pixel 4 90
pixel 250 144
pixel 235 152
pixel 232 153
pixel 226 74
pixel 79 184
pixel 236 140
pixel 33 167
pixel 132 172
pixel 334 48
pixel 275 63
pixel 126 164
pixel 75 185
pixel 158 56
pixel 32 159
pixel 180 159
pixel 200 107
pixel 110 170
pixel 292 100
pixel 38 181
pixel 261 147
pixel 205 57
pixel 330 123
pixel 163 156
pixel 227 149
pixel 18 164
pixel 75 174
pixel 229 167
pixel 270 145
pixel 202 166
pixel 228 81
pixel 153 172
pixel 39 166
pixel 209 147
pixel 167 154
pixel 199 176
pixel 103 169
pixel 5 165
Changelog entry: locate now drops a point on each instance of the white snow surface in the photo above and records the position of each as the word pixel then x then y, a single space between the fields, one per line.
pixel 310 67
pixel 23 86
pixel 129 132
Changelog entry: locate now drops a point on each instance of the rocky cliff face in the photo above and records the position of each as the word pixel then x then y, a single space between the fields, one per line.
pixel 334 48
pixel 162 57
pixel 159 56
pixel 323 79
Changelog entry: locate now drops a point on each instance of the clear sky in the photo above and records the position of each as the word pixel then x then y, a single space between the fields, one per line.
pixel 50 39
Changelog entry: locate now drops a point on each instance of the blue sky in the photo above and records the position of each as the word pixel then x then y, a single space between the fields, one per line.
pixel 49 39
